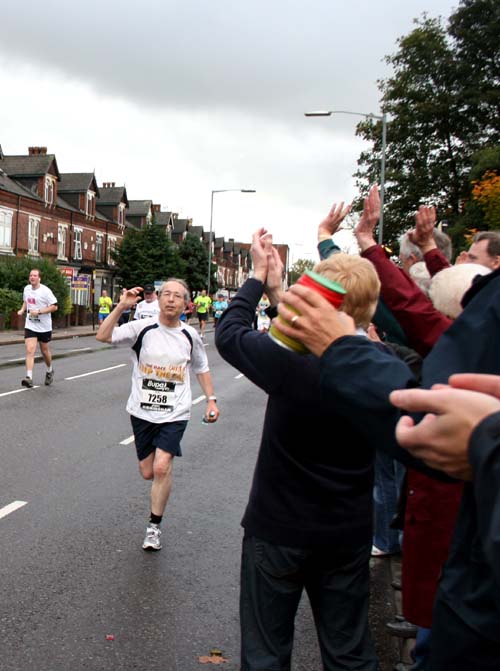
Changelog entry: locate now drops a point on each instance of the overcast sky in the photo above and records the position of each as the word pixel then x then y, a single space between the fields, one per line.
pixel 176 98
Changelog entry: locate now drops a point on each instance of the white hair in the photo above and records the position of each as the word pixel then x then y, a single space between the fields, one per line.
pixel 449 285
pixel 421 276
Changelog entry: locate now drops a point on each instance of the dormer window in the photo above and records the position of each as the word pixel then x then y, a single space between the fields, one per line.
pixel 121 214
pixel 90 204
pixel 50 190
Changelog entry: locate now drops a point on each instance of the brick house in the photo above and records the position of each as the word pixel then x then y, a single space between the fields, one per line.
pixel 44 213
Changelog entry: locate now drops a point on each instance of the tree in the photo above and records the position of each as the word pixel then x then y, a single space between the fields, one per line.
pixel 298 269
pixel 481 206
pixel 147 255
pixel 195 259
pixel 442 103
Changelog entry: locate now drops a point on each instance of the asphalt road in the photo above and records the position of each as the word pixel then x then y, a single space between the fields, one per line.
pixel 77 591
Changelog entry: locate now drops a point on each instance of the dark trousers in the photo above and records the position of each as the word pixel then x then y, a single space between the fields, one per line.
pixel 337 584
pixel 457 647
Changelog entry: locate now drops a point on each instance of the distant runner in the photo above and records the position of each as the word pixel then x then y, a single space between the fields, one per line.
pixel 38 302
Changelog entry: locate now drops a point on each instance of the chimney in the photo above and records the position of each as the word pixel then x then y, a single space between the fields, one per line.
pixel 113 184
pixel 33 151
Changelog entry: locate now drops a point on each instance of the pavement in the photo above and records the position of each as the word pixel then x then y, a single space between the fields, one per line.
pixel 10 337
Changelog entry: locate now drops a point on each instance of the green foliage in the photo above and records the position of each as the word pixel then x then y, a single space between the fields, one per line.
pixel 298 269
pixel 195 257
pixel 14 272
pixel 443 104
pixel 10 301
pixel 147 255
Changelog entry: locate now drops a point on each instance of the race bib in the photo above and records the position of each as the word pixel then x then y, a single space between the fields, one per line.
pixel 33 318
pixel 157 395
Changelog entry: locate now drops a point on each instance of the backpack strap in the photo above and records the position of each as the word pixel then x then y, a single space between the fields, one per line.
pixel 188 336
pixel 138 343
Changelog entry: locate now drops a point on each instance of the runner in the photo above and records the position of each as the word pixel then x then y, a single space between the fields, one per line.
pixel 38 303
pixel 149 306
pixel 219 306
pixel 164 350
pixel 202 304
pixel 105 306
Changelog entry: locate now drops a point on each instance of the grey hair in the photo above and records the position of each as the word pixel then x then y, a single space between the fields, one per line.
pixel 187 293
pixel 407 248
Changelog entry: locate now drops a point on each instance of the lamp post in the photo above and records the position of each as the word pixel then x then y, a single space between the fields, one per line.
pixel 210 234
pixel 383 118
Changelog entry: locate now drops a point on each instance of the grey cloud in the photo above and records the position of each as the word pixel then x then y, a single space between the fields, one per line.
pixel 270 57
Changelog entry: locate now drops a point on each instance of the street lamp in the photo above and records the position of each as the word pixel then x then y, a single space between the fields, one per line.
pixel 383 119
pixel 210 234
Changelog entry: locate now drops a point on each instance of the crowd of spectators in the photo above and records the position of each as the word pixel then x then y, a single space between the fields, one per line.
pixel 411 400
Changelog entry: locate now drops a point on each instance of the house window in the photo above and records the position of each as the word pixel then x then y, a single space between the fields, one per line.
pixel 50 190
pixel 90 203
pixel 62 234
pixel 98 248
pixel 5 229
pixel 121 214
pixel 33 235
pixel 77 244
pixel 111 248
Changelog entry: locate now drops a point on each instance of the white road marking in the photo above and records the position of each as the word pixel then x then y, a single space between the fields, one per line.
pixel 127 441
pixel 39 358
pixel 18 391
pixel 6 510
pixel 237 377
pixel 95 372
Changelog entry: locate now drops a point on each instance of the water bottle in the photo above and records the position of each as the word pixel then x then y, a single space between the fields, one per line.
pixel 205 420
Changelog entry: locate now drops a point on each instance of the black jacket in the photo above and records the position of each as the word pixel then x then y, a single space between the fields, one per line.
pixel 358 378
pixel 313 479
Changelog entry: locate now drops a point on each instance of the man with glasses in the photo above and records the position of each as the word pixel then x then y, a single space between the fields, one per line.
pixel 164 350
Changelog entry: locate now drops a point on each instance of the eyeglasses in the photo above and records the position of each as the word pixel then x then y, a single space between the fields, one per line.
pixel 173 294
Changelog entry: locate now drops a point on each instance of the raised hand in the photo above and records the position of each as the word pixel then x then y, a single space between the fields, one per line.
pixel 365 228
pixel 274 280
pixel 423 233
pixel 332 221
pixel 129 297
pixel 260 251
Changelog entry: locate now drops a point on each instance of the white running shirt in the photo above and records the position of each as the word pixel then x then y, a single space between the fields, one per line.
pixel 36 299
pixel 161 389
pixel 144 309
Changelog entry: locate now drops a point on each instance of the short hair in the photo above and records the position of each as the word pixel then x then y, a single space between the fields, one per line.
pixel 407 248
pixel 36 270
pixel 450 284
pixel 359 278
pixel 493 237
pixel 421 276
pixel 443 243
pixel 187 293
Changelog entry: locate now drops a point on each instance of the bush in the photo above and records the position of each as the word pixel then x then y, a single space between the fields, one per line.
pixel 10 301
pixel 14 272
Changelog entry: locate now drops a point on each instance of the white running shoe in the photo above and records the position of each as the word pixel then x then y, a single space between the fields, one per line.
pixel 152 540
